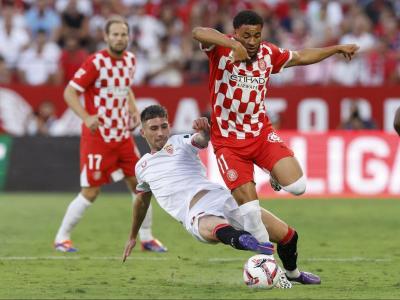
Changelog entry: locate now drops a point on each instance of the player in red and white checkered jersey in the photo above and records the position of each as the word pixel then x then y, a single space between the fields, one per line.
pixel 242 135
pixel 108 152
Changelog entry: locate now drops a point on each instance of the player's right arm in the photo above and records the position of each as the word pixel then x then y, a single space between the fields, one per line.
pixel 396 122
pixel 140 208
pixel 209 37
pixel 71 97
pixel 202 128
pixel 83 79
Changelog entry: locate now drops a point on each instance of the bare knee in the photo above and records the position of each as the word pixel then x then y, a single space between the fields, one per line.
pixel 90 193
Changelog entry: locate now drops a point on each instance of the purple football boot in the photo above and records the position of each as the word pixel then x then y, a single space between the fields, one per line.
pixel 306 278
pixel 249 242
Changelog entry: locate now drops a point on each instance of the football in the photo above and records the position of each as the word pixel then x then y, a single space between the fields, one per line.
pixel 261 271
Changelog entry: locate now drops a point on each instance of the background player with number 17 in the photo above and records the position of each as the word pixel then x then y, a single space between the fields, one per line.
pixel 241 133
pixel 108 152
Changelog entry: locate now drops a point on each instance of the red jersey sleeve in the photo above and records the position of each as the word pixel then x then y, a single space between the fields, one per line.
pixel 214 52
pixel 85 76
pixel 279 57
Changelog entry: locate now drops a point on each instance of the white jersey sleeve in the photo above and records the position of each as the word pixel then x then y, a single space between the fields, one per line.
pixel 187 140
pixel 142 186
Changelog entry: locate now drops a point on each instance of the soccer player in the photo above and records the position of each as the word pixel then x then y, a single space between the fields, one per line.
pixel 396 122
pixel 175 175
pixel 241 133
pixel 108 152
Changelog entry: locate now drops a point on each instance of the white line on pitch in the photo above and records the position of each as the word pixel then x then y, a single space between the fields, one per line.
pixel 318 259
pixel 214 259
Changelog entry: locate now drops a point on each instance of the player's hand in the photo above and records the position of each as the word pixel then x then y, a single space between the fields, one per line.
pixel 239 52
pixel 349 50
pixel 130 244
pixel 201 124
pixel 134 121
pixel 92 122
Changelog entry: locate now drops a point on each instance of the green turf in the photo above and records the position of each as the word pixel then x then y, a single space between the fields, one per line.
pixel 352 244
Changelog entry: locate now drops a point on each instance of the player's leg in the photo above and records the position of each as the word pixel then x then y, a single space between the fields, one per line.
pixel 289 175
pixel 280 162
pixel 237 171
pixel 148 242
pixel 95 160
pixel 205 220
pixel 73 215
pixel 128 157
pixel 286 239
pixel 216 229
pixel 249 207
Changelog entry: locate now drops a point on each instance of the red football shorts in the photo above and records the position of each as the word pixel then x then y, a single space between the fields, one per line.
pixel 236 164
pixel 102 163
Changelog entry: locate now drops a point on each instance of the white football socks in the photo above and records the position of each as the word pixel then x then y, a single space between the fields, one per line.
pixel 293 274
pixel 251 213
pixel 145 233
pixel 72 216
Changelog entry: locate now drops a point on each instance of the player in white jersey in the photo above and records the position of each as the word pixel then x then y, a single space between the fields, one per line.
pixel 174 174
pixel 396 122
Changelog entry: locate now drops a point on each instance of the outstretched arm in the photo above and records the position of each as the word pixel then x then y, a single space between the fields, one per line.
pixel 313 55
pixel 209 36
pixel 203 129
pixel 140 208
pixel 396 122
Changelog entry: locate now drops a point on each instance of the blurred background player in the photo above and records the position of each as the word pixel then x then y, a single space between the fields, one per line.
pixel 240 68
pixel 108 152
pixel 206 210
pixel 355 120
pixel 396 122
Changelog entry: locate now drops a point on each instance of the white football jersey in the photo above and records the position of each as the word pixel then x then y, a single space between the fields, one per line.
pixel 174 175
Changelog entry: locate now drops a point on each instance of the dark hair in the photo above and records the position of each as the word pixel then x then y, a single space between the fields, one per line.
pixel 153 111
pixel 247 17
pixel 113 20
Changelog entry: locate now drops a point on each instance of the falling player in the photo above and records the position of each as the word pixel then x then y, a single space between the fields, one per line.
pixel 175 175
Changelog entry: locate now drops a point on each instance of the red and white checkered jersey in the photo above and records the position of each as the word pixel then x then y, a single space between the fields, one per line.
pixel 238 91
pixel 105 82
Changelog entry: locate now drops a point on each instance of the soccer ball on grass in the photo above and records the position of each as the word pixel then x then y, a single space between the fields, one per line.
pixel 261 271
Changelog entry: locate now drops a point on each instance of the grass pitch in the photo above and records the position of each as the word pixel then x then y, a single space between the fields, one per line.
pixel 352 244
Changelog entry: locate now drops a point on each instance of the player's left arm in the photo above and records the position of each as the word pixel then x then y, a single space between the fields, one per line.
pixel 396 122
pixel 133 111
pixel 313 55
pixel 140 207
pixel 202 128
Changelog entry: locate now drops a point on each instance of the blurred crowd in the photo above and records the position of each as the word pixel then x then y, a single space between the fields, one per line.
pixel 45 41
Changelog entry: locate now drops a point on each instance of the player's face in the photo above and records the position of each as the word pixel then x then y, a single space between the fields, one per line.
pixel 250 37
pixel 117 38
pixel 156 132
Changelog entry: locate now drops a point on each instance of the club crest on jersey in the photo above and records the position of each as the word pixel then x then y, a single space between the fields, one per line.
pixel 144 164
pixel 97 175
pixel 262 65
pixel 274 138
pixel 232 175
pixel 169 148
